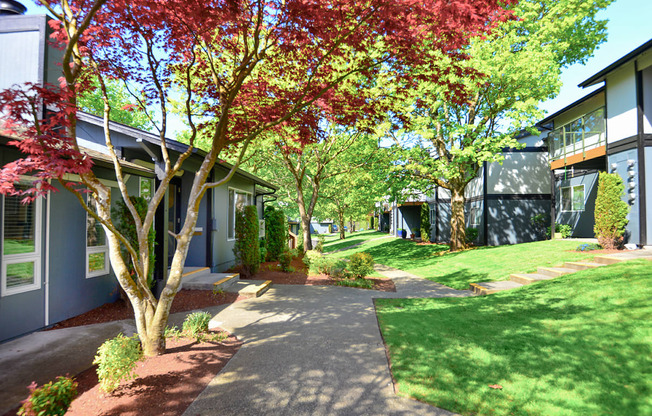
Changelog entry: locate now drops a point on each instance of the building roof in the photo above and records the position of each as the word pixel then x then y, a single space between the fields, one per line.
pixel 171 145
pixel 600 76
pixel 568 107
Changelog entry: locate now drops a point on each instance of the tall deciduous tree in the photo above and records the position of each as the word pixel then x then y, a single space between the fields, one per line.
pixel 124 108
pixel 252 67
pixel 518 66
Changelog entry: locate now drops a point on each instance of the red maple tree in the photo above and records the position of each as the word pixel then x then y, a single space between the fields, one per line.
pixel 241 68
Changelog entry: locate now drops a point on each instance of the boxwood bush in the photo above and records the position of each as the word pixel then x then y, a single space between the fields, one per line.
pixel 247 247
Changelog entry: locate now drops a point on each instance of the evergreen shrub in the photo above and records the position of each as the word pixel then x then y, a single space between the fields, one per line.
pixel 285 258
pixel 610 211
pixel 361 264
pixel 116 360
pixel 247 247
pixel 471 235
pixel 276 234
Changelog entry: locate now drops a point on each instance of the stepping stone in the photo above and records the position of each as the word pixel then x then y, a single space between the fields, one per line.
pixel 554 271
pixel 487 288
pixel 529 278
pixel 249 288
pixel 577 265
pixel 607 260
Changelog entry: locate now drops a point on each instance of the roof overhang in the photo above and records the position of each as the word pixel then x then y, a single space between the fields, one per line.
pixel 600 76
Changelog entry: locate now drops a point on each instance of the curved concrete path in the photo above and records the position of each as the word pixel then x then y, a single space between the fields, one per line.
pixel 312 350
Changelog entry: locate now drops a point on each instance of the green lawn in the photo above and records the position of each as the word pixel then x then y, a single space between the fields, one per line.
pixel 577 345
pixel 333 244
pixel 483 264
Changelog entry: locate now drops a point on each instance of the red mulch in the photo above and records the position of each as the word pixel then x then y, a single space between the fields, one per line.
pixel 272 271
pixel 185 300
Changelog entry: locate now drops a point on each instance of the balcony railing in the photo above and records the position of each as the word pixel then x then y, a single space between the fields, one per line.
pixel 585 133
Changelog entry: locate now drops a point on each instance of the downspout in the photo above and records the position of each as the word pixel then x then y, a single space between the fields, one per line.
pixel 47 258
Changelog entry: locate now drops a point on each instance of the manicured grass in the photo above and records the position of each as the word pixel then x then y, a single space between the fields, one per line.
pixel 351 239
pixel 580 344
pixel 483 264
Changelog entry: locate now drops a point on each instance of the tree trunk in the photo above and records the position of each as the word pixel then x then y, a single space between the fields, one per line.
pixel 458 226
pixel 340 217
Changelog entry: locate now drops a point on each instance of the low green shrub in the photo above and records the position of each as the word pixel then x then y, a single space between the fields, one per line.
pixel 361 264
pixel 328 266
pixel 52 398
pixel 564 229
pixel 471 235
pixel 116 359
pixel 285 258
pixel 310 256
pixel 263 253
pixel 196 324
pixel 320 244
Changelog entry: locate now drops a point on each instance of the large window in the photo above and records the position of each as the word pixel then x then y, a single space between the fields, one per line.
pixel 21 236
pixel 587 132
pixel 97 250
pixel 572 198
pixel 237 200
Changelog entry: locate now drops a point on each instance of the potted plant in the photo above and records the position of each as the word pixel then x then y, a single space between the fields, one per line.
pixel 402 233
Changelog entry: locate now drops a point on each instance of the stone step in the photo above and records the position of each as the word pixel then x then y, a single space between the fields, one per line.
pixel 606 260
pixel 250 288
pixel 487 288
pixel 582 265
pixel 554 271
pixel 209 281
pixel 195 271
pixel 529 278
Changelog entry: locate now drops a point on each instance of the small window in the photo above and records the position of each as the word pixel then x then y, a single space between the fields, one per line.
pixel 572 198
pixel 237 200
pixel 21 236
pixel 97 249
pixel 145 188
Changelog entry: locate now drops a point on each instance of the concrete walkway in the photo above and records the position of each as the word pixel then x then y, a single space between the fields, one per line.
pixel 311 350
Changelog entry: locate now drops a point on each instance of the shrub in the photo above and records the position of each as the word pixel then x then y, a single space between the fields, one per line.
pixel 116 359
pixel 196 324
pixel 285 258
pixel 246 247
pixel 276 233
pixel 360 283
pixel 361 264
pixel 328 266
pixel 310 256
pixel 53 398
pixel 425 223
pixel 539 222
pixel 610 211
pixel 564 229
pixel 127 227
pixel 263 252
pixel 320 244
pixel 471 235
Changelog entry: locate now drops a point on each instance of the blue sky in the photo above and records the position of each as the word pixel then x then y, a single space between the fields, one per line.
pixel 629 26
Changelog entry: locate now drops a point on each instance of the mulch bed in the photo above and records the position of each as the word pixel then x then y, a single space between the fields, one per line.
pixel 272 271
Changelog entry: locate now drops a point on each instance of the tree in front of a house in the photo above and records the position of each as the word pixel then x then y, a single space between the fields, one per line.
pixel 239 70
pixel 125 109
pixel 425 226
pixel 445 138
pixel 610 211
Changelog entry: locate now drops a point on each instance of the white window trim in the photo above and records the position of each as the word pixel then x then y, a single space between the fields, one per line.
pixel 236 190
pixel 94 250
pixel 572 189
pixel 23 257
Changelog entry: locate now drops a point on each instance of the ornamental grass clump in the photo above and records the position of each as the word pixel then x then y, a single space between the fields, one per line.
pixel 196 324
pixel 53 398
pixel 116 360
pixel 610 211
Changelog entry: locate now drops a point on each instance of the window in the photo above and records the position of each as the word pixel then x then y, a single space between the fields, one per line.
pixel 21 237
pixel 237 200
pixel 587 132
pixel 145 188
pixel 572 198
pixel 97 250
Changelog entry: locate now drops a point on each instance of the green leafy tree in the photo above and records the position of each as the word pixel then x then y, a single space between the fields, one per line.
pixel 446 136
pixel 610 211
pixel 425 222
pixel 246 247
pixel 124 107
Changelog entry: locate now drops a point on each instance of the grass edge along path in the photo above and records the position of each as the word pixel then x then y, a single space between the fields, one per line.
pixel 577 345
pixel 482 264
